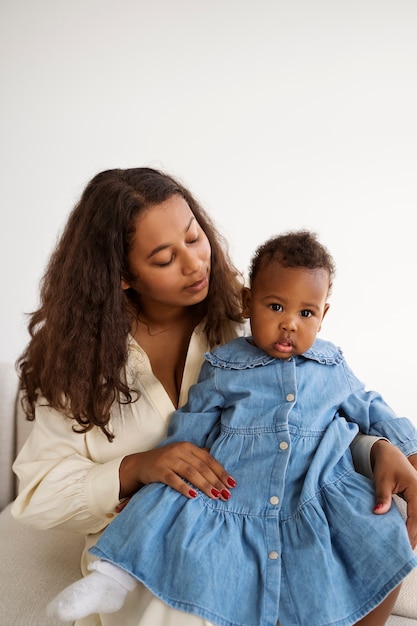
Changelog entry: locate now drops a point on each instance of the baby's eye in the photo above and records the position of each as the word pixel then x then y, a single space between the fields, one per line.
pixel 275 307
pixel 306 313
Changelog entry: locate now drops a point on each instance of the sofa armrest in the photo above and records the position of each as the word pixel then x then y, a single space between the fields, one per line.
pixel 35 566
pixel 406 604
pixel 9 385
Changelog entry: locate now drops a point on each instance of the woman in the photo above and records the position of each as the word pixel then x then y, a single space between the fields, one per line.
pixel 139 287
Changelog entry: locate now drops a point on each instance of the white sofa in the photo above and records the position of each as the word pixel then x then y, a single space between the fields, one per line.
pixel 36 565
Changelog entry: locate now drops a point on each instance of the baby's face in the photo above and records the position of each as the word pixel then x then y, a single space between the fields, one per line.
pixel 286 306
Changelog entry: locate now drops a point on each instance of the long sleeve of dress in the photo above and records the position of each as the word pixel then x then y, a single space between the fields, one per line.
pixel 60 485
pixel 375 417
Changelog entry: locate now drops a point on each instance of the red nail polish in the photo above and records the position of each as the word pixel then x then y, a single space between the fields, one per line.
pixel 378 506
pixel 192 493
pixel 215 492
pixel 231 481
pixel 225 494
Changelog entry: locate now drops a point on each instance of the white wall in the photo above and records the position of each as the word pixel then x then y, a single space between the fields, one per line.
pixel 276 114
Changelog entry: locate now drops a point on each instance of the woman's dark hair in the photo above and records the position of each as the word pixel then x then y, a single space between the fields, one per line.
pixel 76 356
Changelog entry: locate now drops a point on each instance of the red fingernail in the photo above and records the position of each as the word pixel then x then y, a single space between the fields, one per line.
pixel 225 494
pixel 231 481
pixel 378 506
pixel 192 493
pixel 215 492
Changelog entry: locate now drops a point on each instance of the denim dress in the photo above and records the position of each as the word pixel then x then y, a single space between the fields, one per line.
pixel 297 542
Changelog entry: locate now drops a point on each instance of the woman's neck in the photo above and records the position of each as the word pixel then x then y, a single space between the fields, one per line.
pixel 157 322
pixel 165 339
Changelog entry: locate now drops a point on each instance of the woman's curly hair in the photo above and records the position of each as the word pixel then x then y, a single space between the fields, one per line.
pixel 78 347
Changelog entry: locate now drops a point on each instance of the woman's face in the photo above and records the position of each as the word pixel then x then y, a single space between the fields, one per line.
pixel 170 256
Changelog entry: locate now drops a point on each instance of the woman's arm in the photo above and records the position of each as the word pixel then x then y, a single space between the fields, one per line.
pixel 60 485
pixel 361 453
pixel 394 473
pixel 75 481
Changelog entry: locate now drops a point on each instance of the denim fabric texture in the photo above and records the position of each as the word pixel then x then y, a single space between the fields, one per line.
pixel 297 541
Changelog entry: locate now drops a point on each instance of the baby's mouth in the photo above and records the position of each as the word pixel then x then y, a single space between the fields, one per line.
pixel 284 346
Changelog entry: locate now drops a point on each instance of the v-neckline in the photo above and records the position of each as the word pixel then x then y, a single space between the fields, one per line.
pixel 153 387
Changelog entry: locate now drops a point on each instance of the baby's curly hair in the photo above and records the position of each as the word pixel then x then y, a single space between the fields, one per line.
pixel 296 248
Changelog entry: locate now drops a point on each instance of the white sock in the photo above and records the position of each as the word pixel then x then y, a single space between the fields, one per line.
pixel 99 592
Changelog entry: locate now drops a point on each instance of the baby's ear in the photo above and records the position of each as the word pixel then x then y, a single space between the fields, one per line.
pixel 125 285
pixel 326 308
pixel 246 302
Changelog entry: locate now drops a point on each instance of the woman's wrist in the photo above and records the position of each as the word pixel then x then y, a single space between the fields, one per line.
pixel 129 482
pixel 376 446
pixel 363 449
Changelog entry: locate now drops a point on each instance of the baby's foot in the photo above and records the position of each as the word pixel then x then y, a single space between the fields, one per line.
pixel 96 593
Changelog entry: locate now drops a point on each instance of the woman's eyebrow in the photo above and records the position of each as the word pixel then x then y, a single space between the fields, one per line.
pixel 164 246
pixel 189 223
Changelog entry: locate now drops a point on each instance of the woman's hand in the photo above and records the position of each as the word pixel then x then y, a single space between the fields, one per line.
pixel 394 473
pixel 174 464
